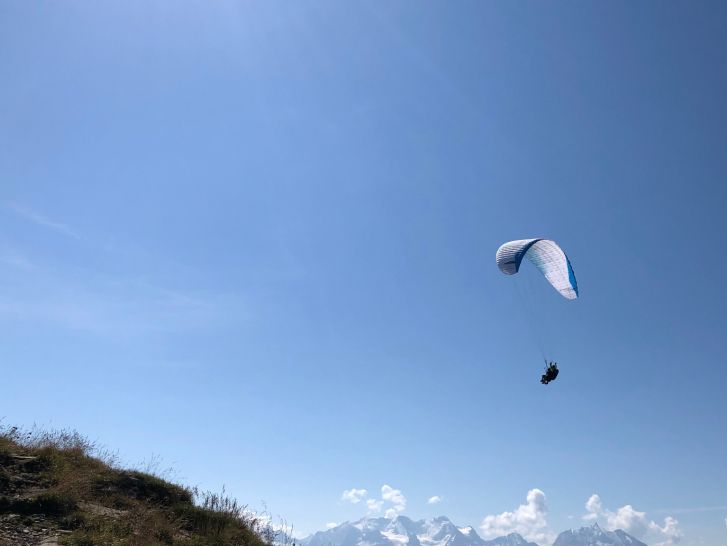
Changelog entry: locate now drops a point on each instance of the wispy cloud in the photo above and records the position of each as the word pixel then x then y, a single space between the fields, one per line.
pixel 17 261
pixel 100 304
pixel 689 510
pixel 41 220
pixel 72 296
pixel 436 499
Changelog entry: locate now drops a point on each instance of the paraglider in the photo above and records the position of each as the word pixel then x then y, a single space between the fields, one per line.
pixel 555 266
pixel 551 372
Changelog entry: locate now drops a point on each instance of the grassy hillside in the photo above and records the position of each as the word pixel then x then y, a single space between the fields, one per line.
pixel 58 488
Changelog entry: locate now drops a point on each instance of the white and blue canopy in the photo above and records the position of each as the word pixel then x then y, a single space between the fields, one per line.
pixel 544 254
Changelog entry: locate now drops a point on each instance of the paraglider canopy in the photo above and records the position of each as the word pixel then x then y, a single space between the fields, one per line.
pixel 544 254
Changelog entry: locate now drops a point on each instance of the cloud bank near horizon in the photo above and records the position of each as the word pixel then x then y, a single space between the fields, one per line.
pixel 530 519
pixel 633 522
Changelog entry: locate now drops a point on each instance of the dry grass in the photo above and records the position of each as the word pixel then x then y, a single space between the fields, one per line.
pixel 79 491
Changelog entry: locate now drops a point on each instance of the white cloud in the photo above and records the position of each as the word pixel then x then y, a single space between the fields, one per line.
pixel 374 506
pixel 331 525
pixel 529 520
pixel 436 499
pixel 725 522
pixel 670 532
pixel 630 520
pixel 392 501
pixel 633 522
pixel 354 496
pixel 594 507
pixel 395 497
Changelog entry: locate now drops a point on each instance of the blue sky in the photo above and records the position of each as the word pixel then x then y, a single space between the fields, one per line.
pixel 257 240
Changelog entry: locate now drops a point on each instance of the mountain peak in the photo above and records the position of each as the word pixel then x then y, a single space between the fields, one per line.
pixel 440 531
pixel 594 535
pixel 513 539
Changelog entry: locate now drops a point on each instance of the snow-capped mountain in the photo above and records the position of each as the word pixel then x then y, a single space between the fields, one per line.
pixel 595 536
pixel 440 531
pixel 513 539
pixel 402 531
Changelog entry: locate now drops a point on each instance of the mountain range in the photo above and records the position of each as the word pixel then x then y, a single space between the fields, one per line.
pixel 440 531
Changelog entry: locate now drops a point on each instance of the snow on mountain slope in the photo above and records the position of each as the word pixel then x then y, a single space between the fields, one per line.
pixel 440 531
pixel 595 536
pixel 402 531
